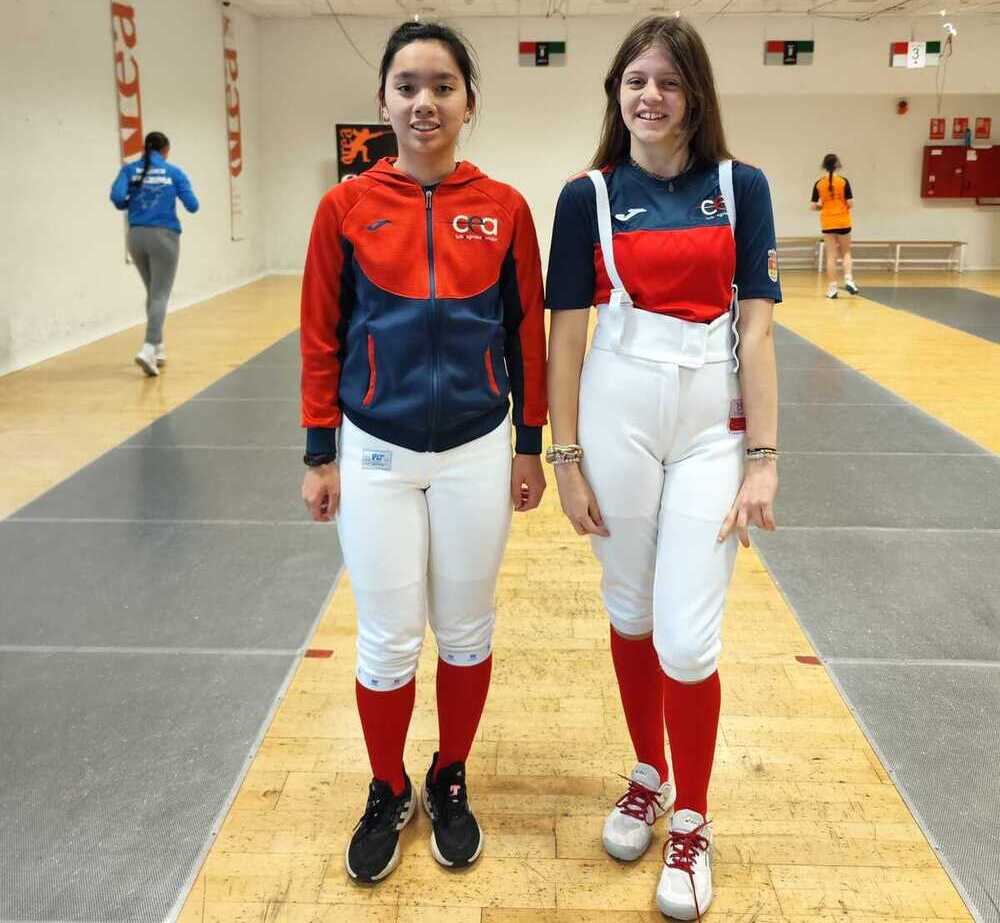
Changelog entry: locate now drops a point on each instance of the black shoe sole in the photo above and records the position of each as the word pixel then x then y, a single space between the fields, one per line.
pixel 436 852
pixel 393 861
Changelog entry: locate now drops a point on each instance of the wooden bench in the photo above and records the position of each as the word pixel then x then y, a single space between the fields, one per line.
pixel 798 252
pixel 890 253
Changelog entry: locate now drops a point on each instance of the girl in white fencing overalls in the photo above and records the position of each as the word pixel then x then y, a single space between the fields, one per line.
pixel 664 439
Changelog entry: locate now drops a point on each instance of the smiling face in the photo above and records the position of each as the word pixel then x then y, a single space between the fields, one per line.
pixel 426 100
pixel 652 99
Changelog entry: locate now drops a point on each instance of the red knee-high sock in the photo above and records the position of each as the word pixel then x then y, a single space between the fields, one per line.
pixel 385 719
pixel 461 696
pixel 640 681
pixel 692 715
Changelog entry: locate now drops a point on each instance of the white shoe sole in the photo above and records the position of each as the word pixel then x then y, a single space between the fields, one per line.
pixel 151 370
pixel 624 854
pixel 435 852
pixel 678 912
pixel 396 855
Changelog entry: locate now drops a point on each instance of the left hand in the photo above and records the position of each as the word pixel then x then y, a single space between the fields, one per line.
pixel 527 482
pixel 754 504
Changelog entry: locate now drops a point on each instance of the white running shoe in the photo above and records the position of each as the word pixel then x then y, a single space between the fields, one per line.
pixel 628 829
pixel 161 355
pixel 685 888
pixel 146 359
pixel 831 291
pixel 850 286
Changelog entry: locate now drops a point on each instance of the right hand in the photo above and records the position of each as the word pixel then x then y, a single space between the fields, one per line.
pixel 578 501
pixel 321 491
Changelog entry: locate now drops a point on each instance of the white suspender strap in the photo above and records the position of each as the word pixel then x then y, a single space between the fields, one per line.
pixel 728 196
pixel 604 228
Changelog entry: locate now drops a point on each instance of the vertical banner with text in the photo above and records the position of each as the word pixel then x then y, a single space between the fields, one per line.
pixel 234 126
pixel 124 38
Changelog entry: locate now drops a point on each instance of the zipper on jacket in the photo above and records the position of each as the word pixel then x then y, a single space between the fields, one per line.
pixel 435 372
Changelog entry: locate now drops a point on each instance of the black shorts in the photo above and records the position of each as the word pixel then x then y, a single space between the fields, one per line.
pixel 838 231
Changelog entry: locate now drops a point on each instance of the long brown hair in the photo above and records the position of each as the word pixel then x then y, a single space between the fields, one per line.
pixel 702 119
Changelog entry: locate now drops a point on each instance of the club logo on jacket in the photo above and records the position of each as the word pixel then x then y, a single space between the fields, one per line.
pixel 475 227
pixel 714 208
pixel 376 459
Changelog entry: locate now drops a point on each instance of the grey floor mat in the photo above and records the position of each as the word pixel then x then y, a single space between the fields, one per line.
pixel 164 584
pixel 115 769
pixel 889 558
pixel 937 729
pixel 153 606
pixel 961 308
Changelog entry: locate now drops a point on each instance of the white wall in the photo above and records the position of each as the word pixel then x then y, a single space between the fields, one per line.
pixel 539 126
pixel 65 281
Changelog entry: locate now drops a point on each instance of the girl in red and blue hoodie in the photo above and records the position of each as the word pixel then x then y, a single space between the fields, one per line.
pixel 421 316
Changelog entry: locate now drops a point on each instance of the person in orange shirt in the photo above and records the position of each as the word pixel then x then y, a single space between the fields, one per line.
pixel 833 199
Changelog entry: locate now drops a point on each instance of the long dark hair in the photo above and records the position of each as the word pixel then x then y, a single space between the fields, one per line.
pixel 830 163
pixel 155 141
pixel 456 43
pixel 702 120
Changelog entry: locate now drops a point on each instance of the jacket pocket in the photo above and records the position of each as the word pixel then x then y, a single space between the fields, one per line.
pixel 490 374
pixel 370 395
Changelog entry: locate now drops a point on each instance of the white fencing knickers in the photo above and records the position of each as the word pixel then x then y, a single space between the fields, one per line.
pixel 423 534
pixel 661 426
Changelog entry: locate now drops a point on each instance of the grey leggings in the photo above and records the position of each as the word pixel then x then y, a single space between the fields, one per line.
pixel 155 252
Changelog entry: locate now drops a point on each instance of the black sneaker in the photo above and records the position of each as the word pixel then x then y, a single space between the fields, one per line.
pixel 851 287
pixel 457 840
pixel 374 848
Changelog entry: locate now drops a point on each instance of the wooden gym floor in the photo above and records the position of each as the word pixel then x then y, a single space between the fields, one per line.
pixel 809 825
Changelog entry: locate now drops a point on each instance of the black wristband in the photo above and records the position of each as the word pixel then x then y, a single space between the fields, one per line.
pixel 314 461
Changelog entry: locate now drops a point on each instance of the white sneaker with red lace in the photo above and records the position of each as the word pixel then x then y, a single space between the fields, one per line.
pixel 628 829
pixel 685 888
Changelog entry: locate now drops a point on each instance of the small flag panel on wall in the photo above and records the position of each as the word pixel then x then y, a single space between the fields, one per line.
pixel 541 54
pixel 914 54
pixel 789 51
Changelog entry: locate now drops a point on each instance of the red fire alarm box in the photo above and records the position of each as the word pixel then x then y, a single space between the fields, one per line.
pixel 937 130
pixel 959 126
pixel 983 127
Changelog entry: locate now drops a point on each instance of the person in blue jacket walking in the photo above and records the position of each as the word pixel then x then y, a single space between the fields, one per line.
pixel 149 188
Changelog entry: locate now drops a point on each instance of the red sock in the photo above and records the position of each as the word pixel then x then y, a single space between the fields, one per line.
pixel 385 719
pixel 692 714
pixel 640 681
pixel 461 695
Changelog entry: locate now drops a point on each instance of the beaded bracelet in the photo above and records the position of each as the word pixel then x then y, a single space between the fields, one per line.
pixel 563 454
pixel 765 452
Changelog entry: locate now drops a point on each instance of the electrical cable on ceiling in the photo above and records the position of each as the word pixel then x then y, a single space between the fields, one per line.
pixel 350 41
pixel 942 71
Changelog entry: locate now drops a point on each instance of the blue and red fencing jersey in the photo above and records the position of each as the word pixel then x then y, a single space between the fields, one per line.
pixel 672 242
pixel 422 312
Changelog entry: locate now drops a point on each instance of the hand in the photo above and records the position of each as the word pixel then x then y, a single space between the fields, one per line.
pixel 754 504
pixel 527 482
pixel 321 491
pixel 578 501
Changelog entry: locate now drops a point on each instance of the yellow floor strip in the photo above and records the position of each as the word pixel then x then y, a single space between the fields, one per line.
pixel 950 374
pixel 810 827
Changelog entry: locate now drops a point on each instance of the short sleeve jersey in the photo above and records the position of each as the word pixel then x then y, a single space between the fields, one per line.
pixel 672 243
pixel 832 195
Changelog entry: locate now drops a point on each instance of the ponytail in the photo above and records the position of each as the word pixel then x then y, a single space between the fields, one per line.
pixel 155 141
pixel 830 163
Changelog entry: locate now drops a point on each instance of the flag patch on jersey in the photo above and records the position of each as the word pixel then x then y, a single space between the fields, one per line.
pixel 378 459
pixel 772 265
pixel 737 419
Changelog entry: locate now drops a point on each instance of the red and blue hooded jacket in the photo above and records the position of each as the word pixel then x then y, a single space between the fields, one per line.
pixel 422 312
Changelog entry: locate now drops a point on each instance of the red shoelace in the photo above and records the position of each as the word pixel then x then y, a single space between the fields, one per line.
pixel 637 801
pixel 684 850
